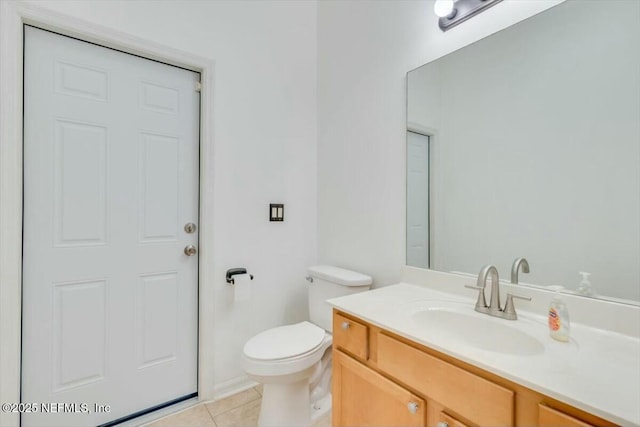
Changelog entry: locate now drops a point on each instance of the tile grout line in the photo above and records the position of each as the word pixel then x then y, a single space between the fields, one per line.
pixel 324 421
pixel 234 408
pixel 210 414
pixel 213 417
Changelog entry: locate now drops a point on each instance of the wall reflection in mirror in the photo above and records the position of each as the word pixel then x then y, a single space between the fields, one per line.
pixel 527 144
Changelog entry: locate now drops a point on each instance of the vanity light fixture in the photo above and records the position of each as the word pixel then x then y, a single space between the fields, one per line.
pixel 443 8
pixel 454 12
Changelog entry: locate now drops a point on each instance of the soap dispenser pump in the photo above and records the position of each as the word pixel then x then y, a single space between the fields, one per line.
pixel 585 288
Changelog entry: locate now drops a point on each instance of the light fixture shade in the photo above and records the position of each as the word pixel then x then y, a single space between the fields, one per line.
pixel 443 8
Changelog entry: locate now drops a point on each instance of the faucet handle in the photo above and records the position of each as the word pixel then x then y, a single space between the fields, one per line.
pixel 509 311
pixel 512 296
pixel 481 303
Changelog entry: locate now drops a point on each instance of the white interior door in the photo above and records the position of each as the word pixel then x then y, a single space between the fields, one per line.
pixel 417 200
pixel 111 145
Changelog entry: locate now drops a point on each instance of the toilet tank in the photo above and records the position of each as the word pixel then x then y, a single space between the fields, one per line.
pixel 328 282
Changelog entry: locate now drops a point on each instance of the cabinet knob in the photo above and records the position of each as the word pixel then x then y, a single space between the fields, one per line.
pixel 413 407
pixel 443 424
pixel 346 325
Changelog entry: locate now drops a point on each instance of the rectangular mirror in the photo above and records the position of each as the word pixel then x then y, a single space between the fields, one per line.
pixel 527 144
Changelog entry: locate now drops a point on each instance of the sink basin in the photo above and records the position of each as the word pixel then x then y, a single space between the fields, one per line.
pixel 478 330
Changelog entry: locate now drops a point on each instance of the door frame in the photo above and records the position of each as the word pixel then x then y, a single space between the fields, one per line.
pixel 13 16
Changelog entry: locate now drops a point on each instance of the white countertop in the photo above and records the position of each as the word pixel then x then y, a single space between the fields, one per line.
pixel 597 371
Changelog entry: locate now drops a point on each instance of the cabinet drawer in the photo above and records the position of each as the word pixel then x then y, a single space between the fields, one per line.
pixel 446 420
pixel 549 417
pixel 351 336
pixel 475 398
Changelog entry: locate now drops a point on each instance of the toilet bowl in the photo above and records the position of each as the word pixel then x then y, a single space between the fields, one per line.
pixel 286 367
pixel 293 362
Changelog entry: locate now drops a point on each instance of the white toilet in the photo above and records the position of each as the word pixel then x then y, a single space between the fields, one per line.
pixel 293 362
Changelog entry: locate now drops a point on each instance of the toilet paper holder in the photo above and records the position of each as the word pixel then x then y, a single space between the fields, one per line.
pixel 233 271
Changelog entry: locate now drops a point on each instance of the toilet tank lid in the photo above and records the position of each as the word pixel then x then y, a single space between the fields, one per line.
pixel 339 275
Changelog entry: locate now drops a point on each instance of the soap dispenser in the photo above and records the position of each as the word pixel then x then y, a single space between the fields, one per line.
pixel 558 316
pixel 584 288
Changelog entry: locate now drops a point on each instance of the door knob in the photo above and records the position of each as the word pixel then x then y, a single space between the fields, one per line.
pixel 190 250
pixel 413 407
pixel 346 325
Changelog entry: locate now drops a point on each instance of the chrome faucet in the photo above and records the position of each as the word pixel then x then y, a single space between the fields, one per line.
pixel 494 308
pixel 515 267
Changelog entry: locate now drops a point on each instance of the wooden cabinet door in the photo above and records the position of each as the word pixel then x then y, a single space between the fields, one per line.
pixel 362 397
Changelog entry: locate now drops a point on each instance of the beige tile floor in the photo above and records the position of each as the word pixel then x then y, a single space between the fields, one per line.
pixel 239 410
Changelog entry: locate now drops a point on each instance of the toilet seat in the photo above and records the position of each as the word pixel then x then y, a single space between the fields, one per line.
pixel 264 354
pixel 284 342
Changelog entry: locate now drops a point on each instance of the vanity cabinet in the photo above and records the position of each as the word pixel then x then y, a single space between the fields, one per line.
pixel 382 379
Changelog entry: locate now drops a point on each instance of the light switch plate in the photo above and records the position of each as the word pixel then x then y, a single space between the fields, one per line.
pixel 276 212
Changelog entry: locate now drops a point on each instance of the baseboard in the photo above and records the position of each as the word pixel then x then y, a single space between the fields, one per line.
pixel 232 386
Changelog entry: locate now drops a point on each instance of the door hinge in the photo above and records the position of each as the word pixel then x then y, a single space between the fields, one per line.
pixel 198 86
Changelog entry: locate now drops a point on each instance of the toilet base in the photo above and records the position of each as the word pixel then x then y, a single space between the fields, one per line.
pixel 278 411
pixel 285 405
pixel 320 408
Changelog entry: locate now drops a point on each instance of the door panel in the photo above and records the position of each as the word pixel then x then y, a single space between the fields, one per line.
pixel 158 318
pixel 158 186
pixel 80 204
pixel 79 326
pixel 110 179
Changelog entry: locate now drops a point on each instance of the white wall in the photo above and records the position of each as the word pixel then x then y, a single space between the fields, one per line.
pixel 264 145
pixel 270 59
pixel 365 49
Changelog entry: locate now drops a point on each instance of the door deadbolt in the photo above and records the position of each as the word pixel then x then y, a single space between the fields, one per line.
pixel 190 227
